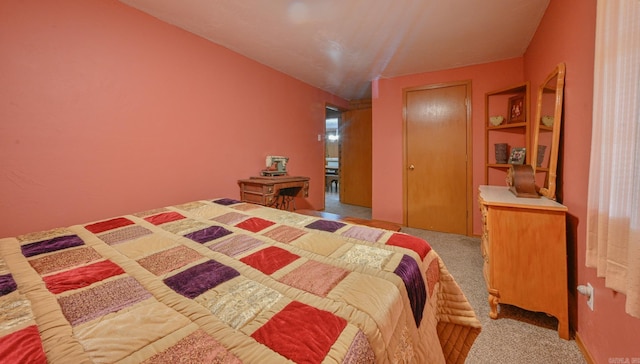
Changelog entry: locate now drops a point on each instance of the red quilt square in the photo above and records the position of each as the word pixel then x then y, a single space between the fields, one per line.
pixel 301 333
pixel 82 276
pixel 270 259
pixel 101 226
pixel 410 242
pixel 164 217
pixel 255 224
pixel 23 346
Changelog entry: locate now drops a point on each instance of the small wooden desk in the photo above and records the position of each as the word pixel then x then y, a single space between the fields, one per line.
pixel 279 191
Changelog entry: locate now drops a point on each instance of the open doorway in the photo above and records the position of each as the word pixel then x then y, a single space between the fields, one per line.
pixel 332 156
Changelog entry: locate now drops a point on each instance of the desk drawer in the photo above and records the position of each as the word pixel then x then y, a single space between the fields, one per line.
pixel 257 198
pixel 257 188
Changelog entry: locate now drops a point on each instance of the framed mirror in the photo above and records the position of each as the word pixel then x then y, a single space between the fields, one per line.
pixel 546 132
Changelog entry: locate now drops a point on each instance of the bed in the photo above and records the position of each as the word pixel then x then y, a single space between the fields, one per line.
pixel 228 282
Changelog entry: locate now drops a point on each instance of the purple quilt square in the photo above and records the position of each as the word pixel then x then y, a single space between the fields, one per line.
pixel 51 245
pixel 200 278
pixel 7 284
pixel 326 225
pixel 409 271
pixel 226 201
pixel 208 234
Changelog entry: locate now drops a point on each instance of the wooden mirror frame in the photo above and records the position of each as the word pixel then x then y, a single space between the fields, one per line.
pixel 554 83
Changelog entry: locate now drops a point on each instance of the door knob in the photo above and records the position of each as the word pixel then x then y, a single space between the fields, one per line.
pixel 412 167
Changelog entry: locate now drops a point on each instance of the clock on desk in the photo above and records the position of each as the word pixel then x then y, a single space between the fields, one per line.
pixel 521 181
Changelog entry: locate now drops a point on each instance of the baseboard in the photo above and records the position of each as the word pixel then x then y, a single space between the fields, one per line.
pixel 583 349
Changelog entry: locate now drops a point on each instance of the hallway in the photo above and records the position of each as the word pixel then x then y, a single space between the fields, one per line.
pixel 333 205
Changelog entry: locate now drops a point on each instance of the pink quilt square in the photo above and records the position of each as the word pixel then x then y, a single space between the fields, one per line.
pixel 169 260
pixel 363 233
pixel 284 234
pixel 315 277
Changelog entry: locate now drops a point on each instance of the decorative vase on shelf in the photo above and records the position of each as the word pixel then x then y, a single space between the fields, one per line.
pixel 541 149
pixel 501 153
pixel 496 120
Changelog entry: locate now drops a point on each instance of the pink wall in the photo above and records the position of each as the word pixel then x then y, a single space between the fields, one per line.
pixel 106 111
pixel 567 34
pixel 388 127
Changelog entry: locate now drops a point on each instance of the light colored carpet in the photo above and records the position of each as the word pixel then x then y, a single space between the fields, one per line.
pixel 517 336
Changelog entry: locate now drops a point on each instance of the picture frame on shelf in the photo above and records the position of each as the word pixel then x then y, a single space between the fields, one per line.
pixel 516 109
pixel 517 155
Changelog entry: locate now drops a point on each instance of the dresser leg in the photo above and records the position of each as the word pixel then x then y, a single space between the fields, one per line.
pixel 493 306
pixel 563 329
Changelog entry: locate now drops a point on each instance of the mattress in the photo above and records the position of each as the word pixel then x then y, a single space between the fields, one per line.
pixel 228 282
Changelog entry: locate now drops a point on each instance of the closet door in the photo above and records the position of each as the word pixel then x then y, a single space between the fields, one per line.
pixel 355 157
pixel 437 169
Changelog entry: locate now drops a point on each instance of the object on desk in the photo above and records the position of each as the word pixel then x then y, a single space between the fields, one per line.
pixel 276 166
pixel 496 120
pixel 521 181
pixel 501 153
pixel 547 120
pixel 517 155
pixel 540 156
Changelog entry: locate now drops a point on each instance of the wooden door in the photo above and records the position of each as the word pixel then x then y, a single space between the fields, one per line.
pixel 355 157
pixel 438 172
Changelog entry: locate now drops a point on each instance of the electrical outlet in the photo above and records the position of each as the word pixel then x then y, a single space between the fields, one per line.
pixel 589 292
pixel 592 293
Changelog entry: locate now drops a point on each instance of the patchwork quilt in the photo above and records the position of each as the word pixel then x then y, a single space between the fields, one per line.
pixel 228 282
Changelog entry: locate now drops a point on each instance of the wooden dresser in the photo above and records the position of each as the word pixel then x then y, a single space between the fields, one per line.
pixel 525 255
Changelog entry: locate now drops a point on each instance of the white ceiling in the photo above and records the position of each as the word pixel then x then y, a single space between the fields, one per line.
pixel 342 45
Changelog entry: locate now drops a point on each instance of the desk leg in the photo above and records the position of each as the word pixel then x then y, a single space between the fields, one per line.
pixel 287 197
pixel 286 201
